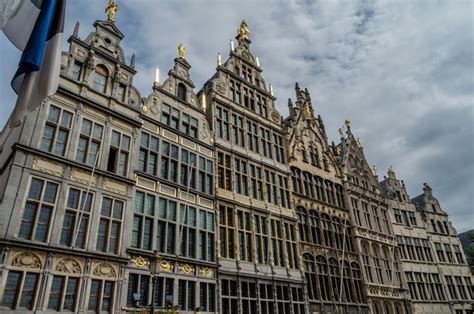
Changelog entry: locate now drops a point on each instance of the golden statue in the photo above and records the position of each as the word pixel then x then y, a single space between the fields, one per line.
pixel 181 51
pixel 111 9
pixel 243 32
pixel 338 151
pixel 307 111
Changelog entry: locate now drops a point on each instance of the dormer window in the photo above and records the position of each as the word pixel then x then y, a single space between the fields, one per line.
pixel 76 70
pixel 182 92
pixel 100 78
pixel 121 92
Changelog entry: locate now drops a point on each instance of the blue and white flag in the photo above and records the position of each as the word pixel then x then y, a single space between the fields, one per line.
pixel 36 27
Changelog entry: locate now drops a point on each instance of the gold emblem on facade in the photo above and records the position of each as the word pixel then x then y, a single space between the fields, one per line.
pixel 140 262
pixel 243 32
pixel 308 113
pixel 186 269
pixel 205 271
pixel 181 51
pixel 165 266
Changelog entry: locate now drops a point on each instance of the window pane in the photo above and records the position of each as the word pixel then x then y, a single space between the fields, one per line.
pixel 11 289
pixel 29 289
pixel 66 119
pixel 55 293
pixel 35 189
pixel 70 296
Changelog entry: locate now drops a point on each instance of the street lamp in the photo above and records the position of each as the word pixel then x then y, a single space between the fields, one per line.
pixel 154 270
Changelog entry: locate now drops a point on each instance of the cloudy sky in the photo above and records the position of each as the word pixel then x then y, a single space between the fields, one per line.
pixel 402 71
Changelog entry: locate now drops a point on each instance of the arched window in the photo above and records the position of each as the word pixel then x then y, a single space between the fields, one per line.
pixel 296 179
pixel 378 264
pixel 182 92
pixel 310 273
pixel 303 224
pixel 338 232
pixel 335 279
pixel 314 156
pixel 359 296
pixel 349 245
pixel 387 308
pixel 366 257
pixel 399 308
pixel 387 261
pixel 303 154
pixel 347 283
pixel 100 78
pixel 308 184
pixel 315 227
pixel 327 230
pixel 323 277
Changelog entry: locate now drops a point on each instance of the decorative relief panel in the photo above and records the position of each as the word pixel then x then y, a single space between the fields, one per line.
pixel 68 265
pixel 186 269
pixel 48 167
pixel 166 266
pixel 105 270
pixel 28 260
pixel 140 262
pixel 206 272
pixel 115 186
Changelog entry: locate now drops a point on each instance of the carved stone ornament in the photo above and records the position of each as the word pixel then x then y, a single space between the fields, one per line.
pixel 165 266
pixel 246 55
pixel 220 87
pixel 140 262
pixel 28 260
pixel 275 116
pixel 105 270
pixel 186 269
pixel 68 265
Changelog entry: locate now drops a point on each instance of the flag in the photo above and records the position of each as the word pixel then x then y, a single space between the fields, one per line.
pixel 38 71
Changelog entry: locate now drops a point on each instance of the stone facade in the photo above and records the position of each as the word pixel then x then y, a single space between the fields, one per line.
pixel 250 212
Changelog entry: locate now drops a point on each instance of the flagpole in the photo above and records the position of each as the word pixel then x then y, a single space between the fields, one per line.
pixel 78 225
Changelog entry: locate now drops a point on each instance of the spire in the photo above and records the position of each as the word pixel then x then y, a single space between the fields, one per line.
pixel 76 29
pixel 132 61
pixel 111 10
pixel 243 34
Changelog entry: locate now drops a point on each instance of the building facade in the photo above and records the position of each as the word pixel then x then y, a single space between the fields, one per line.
pixel 331 265
pixel 435 267
pixel 249 212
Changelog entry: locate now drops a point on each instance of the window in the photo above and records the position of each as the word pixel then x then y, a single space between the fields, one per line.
pixel 138 284
pixel 314 156
pixel 291 245
pixel 235 93
pixel 323 277
pixel 271 187
pixel 469 286
pixel 38 210
pixel 207 297
pixel 296 180
pixel 327 230
pixel 266 143
pixel 248 292
pixel 189 125
pixel 169 162
pixel 277 243
pixel 284 191
pixel 142 228
pixel 63 295
pixel 110 225
pixel 164 292
pixel 283 299
pixel 222 123
pixel 118 153
pixel 187 233
pixel 238 130
pixel 206 175
pixel 166 239
pixel 224 171
pixel 262 106
pixel 148 156
pixel 181 92
pixel 449 253
pixel 76 70
pixel 188 169
pixel 229 296
pixel 121 92
pixel 398 215
pixel 245 236
pixel 440 252
pixel 256 182
pixel 303 225
pixel 101 296
pixel 458 253
pixel 412 218
pixel 266 298
pixel 249 99
pixel 365 209
pixel 356 277
pixel 310 274
pixel 375 214
pixel 186 295
pixel 240 176
pixel 100 78
pixel 451 287
pixel 460 285
pixel 20 290
pixel 56 131
pixel 206 236
pixel 261 239
pixel 252 136
pixel 278 147
pixel 367 259
pixel 89 142
pixel 226 231
pixel 335 278
pixel 76 218
pixel 315 223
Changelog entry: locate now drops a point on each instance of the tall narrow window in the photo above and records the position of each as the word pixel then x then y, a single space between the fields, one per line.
pixel 121 89
pixel 245 236
pixel 39 207
pixel 181 92
pixel 278 147
pixel 166 232
pixel 252 136
pixel 164 292
pixel 240 176
pixel 63 294
pixel 76 70
pixel 101 296
pixel 224 175
pixel 110 225
pixel 277 243
pixel 138 284
pixel 271 187
pixel 261 239
pixel 206 236
pixel 230 299
pixel 169 162
pixel 76 218
pixel 207 297
pixel 189 125
pixel 186 295
pixel 148 156
pixel 188 169
pixel 56 131
pixel 142 228
pixel 89 142
pixel 310 274
pixel 187 233
pixel 238 130
pixel 118 153
pixel 20 290
pixel 226 231
pixel 323 277
pixel 222 123
pixel 256 182
pixel 284 191
pixel 100 78
pixel 291 245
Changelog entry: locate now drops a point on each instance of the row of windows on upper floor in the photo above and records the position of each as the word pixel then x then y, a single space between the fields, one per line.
pixel 415 249
pixel 380 263
pixel 323 279
pixel 317 188
pixel 321 229
pixel 247 133
pixel 63 292
pixel 250 179
pixel 405 217
pixel 176 165
pixel 257 237
pixel 444 251
pixel 438 226
pixel 252 99
pixel 428 287
pixel 155 222
pixel 314 157
pixel 373 217
pixel 102 77
pixel 248 295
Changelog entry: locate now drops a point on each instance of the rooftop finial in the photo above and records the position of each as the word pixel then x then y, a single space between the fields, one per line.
pixel 374 169
pixel 76 29
pixel 243 33
pixel 111 10
pixel 181 51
